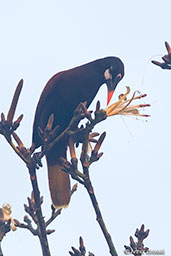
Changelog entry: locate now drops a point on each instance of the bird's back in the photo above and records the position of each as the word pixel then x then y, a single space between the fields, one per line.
pixel 61 95
pixel 65 90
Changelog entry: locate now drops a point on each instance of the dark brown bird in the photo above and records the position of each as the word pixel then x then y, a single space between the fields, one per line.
pixel 61 95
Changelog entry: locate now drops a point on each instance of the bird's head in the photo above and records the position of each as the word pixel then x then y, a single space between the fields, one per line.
pixel 112 75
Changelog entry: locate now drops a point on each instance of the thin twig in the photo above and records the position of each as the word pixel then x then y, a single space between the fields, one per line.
pixel 54 215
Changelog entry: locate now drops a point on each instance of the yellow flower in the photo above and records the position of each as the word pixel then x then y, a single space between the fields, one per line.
pixel 123 107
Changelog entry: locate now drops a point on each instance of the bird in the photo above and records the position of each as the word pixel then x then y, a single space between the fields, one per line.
pixel 60 97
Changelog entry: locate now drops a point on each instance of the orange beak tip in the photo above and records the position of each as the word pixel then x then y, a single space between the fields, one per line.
pixel 110 94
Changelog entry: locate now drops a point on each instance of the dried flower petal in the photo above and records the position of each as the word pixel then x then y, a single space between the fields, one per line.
pixel 123 107
pixel 6 208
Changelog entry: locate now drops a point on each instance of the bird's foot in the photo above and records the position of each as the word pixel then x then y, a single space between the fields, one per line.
pixel 81 136
pixel 37 160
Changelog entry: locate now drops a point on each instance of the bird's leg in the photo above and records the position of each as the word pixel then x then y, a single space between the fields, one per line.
pixel 80 136
pixel 81 133
pixel 84 132
pixel 37 157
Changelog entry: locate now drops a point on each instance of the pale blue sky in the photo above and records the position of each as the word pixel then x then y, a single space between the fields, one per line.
pixel 132 180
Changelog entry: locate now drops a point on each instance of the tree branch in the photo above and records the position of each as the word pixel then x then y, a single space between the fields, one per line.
pixel 166 58
pixel 49 139
pixel 7 128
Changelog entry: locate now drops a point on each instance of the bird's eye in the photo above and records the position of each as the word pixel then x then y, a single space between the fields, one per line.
pixel 111 69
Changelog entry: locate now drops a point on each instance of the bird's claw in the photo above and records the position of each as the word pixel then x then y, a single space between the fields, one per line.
pixel 81 135
pixel 37 159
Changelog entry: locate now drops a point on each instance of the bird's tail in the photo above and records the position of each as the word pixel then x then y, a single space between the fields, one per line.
pixel 59 185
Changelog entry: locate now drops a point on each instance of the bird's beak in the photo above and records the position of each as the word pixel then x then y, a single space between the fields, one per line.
pixel 111 85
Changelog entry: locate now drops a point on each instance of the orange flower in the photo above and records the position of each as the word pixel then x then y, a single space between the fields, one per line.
pixel 123 107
